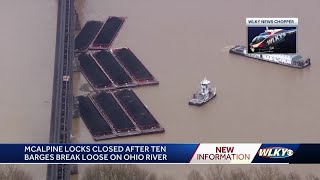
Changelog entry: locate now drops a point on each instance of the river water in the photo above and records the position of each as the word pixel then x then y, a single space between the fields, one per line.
pixel 183 41
pixel 28 33
pixel 180 42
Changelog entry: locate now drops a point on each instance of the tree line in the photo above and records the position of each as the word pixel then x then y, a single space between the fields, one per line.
pixel 135 172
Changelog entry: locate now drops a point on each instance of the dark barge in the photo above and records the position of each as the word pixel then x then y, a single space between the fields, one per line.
pixel 138 111
pixel 113 113
pixel 108 33
pixel 291 60
pixel 87 34
pixel 92 72
pixel 115 71
pixel 134 66
pixel 109 70
pixel 96 124
pixel 116 114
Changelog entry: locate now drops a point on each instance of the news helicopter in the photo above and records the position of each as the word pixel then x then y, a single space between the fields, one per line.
pixel 269 39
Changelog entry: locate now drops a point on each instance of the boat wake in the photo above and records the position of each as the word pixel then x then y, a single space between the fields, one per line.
pixel 226 49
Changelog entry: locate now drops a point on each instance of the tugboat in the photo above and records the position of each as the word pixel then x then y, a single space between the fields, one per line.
pixel 205 94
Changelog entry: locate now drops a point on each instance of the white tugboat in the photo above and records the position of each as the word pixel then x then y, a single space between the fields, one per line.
pixel 205 94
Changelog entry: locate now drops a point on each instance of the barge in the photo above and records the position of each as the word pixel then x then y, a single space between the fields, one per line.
pixel 138 111
pixel 134 66
pixel 87 34
pixel 205 94
pixel 112 114
pixel 91 117
pixel 110 70
pixel 113 69
pixel 108 33
pixel 291 60
pixel 93 73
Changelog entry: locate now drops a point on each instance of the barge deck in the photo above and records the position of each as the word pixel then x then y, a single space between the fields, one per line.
pixel 87 34
pixel 92 72
pixel 134 66
pixel 97 126
pixel 138 111
pixel 113 69
pixel 108 33
pixel 114 114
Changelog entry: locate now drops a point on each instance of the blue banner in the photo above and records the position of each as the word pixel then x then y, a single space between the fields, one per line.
pixel 160 153
pixel 96 153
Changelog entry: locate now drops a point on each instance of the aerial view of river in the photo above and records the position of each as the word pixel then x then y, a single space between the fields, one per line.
pixel 180 42
pixel 183 41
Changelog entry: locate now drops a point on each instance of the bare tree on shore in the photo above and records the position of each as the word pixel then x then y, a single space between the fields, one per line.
pixel 239 174
pixel 12 172
pixel 294 176
pixel 312 177
pixel 117 172
pixel 195 175
pixel 218 172
pixel 266 172
pixel 166 177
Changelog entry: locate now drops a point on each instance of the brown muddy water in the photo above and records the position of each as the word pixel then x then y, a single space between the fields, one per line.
pixel 28 35
pixel 183 41
pixel 180 42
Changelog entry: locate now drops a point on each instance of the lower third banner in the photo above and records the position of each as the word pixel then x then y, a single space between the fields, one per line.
pixel 160 153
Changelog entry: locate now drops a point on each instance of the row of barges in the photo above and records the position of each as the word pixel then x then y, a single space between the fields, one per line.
pixel 113 109
pixel 96 35
pixel 114 69
pixel 116 114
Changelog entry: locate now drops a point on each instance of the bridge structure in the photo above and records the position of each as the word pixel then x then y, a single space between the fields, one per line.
pixel 62 95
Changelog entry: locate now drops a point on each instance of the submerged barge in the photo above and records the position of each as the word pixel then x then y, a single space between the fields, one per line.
pixel 292 60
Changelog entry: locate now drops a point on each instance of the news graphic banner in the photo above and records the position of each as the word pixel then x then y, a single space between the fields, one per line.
pixel 159 153
pixel 272 22
pixel 272 35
